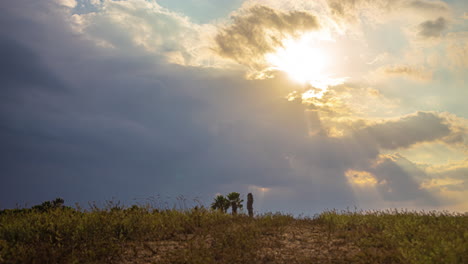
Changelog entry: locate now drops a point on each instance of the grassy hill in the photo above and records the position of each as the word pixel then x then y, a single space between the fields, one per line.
pixel 58 234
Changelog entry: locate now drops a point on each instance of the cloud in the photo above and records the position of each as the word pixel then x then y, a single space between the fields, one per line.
pixel 428 6
pixel 409 71
pixel 392 180
pixel 433 28
pixel 260 30
pixel 351 10
pixel 142 25
pixel 399 180
pixel 447 174
pixel 457 50
pixel 15 74
pixel 129 125
pixel 459 131
pixel 202 11
pixel 361 178
pixel 407 130
pixel 67 3
pixel 449 182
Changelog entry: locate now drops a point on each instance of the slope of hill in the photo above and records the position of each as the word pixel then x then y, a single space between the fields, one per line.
pixel 202 236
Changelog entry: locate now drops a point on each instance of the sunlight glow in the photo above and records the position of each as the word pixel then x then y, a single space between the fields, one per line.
pixel 305 61
pixel 299 59
pixel 361 178
pixel 259 191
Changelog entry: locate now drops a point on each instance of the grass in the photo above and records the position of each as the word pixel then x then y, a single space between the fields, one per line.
pixel 402 236
pixel 141 234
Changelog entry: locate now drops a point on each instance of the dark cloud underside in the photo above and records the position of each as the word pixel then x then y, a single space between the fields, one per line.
pixel 409 130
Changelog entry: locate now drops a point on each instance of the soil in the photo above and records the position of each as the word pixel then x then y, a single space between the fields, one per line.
pixel 296 243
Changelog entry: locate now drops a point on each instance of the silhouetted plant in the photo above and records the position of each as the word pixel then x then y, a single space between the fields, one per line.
pixel 58 202
pixel 48 205
pixel 235 201
pixel 250 201
pixel 220 203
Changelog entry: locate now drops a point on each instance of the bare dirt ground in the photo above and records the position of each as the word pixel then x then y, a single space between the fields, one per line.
pixel 296 243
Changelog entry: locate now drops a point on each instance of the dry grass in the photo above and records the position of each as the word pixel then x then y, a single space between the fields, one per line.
pixel 201 236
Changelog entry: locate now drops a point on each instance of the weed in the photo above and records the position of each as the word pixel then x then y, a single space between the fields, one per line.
pixel 143 234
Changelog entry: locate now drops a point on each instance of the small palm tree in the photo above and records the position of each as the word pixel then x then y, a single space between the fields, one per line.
pixel 235 201
pixel 220 203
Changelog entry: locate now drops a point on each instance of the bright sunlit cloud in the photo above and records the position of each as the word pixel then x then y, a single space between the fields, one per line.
pixel 307 62
pixel 361 178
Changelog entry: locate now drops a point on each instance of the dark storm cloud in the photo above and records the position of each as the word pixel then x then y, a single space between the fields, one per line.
pixel 260 30
pixel 432 28
pixel 130 126
pixel 115 130
pixel 19 66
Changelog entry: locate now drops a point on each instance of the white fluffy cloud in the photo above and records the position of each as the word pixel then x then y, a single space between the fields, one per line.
pixel 126 25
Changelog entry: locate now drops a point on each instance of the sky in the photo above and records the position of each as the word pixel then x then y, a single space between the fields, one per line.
pixel 309 105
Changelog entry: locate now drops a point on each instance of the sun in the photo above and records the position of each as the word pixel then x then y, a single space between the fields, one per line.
pixel 306 61
pixel 299 59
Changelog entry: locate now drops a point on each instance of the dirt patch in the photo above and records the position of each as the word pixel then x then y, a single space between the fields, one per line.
pixel 305 243
pixel 295 243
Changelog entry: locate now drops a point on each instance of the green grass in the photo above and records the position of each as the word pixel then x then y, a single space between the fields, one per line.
pixel 201 236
